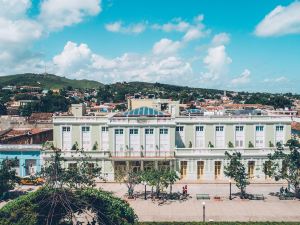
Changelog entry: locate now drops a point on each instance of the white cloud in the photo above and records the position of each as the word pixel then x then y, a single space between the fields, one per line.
pixel 117 27
pixel 127 67
pixel 18 31
pixel 282 20
pixel 193 30
pixel 56 14
pixel 14 9
pixel 113 27
pixel 72 57
pixel 276 79
pixel 166 46
pixel 221 39
pixel 216 62
pixel 199 18
pixel 244 78
pixel 193 34
pixel 175 25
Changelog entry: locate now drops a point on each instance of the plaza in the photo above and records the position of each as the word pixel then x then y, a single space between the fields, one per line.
pixel 270 209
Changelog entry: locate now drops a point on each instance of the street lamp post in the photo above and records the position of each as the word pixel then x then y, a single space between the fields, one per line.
pixel 203 203
pixel 230 190
pixel 145 196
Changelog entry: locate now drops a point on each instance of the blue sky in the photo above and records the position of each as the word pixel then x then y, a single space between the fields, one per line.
pixel 249 45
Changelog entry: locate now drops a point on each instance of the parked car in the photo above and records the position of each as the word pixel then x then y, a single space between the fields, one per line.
pixel 32 180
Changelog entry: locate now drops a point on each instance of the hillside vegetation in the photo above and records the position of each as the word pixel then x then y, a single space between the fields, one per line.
pixel 48 81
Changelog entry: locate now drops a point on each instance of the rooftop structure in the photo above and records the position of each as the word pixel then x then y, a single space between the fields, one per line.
pixel 144 111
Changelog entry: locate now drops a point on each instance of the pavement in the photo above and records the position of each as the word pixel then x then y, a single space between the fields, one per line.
pixel 270 209
pixel 191 209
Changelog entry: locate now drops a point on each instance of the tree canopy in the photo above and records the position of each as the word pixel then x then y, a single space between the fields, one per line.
pixel 58 207
pixel 236 170
pixel 285 165
pixel 8 175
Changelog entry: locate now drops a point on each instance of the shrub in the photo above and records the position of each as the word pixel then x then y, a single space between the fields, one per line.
pixel 34 208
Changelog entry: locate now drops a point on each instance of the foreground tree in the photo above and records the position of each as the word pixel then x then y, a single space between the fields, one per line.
pixel 237 171
pixel 68 197
pixel 8 175
pixel 62 207
pixel 285 165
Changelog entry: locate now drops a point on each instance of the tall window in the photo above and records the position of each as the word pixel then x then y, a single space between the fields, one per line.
pixel 180 136
pixel 134 139
pixel 220 136
pixel 66 138
pixel 164 139
pixel 119 140
pixel 183 169
pixel 199 137
pixel 239 136
pixel 149 139
pixel 200 169
pixel 104 138
pixel 86 137
pixel 279 134
pixel 251 166
pixel 217 169
pixel 259 136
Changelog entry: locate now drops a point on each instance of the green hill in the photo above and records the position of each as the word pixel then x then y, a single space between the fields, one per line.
pixel 48 81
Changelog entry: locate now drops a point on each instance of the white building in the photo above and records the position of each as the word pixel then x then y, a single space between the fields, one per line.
pixel 193 145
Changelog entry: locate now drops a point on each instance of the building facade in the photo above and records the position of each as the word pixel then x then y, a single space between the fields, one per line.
pixel 147 138
pixel 28 156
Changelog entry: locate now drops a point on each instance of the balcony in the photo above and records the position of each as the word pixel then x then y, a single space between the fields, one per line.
pixel 196 152
pixel 72 154
pixel 143 154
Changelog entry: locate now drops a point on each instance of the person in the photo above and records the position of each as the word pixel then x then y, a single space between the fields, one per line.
pixel 186 192
pixel 183 190
pixel 31 170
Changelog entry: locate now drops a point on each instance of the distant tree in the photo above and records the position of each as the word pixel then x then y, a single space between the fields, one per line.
pixel 28 109
pixel 53 103
pixel 159 179
pixel 171 177
pixel 3 109
pixel 8 175
pixel 283 165
pixel 25 97
pixel 230 144
pixel 121 107
pixel 129 178
pixel 237 171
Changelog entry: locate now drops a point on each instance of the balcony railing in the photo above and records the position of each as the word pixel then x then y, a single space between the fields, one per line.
pixel 142 154
pixel 221 151
pixel 73 154
pixel 20 147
